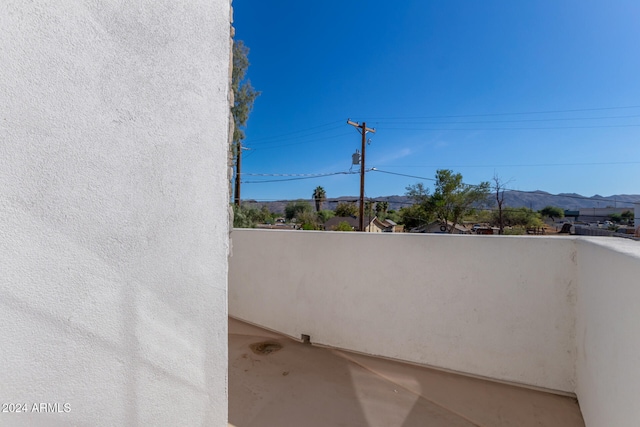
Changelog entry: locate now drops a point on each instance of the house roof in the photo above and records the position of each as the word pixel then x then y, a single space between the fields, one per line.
pixel 379 223
pixel 385 225
pixel 332 223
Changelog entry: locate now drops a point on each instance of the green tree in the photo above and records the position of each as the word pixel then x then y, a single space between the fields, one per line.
pixel 346 209
pixel 325 215
pixel 296 209
pixel 615 217
pixel 519 217
pixel 381 209
pixel 627 216
pixel 482 216
pixel 319 196
pixel 414 216
pixel 246 216
pixel 393 216
pixel 419 193
pixel 243 92
pixel 242 218
pixel 552 212
pixel 265 215
pixel 420 213
pixel 243 97
pixel 368 209
pixel 308 220
pixel 452 199
pixel 344 226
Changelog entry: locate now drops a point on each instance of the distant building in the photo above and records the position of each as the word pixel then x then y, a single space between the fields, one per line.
pixel 378 226
pixel 374 225
pixel 332 223
pixel 595 214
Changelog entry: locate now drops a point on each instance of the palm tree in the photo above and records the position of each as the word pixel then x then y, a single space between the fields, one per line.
pixel 368 208
pixel 319 195
pixel 381 208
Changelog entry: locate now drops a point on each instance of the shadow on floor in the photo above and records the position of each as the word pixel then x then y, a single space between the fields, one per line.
pixel 305 385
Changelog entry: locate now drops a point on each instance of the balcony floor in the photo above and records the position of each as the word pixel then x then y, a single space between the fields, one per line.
pixel 305 385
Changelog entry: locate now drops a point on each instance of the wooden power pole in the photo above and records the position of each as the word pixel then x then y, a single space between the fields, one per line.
pixel 236 193
pixel 236 190
pixel 363 130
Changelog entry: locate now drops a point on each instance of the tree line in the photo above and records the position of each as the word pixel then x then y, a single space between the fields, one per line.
pixel 451 202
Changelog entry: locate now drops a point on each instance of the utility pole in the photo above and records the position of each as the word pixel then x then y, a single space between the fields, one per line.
pixel 236 190
pixel 363 130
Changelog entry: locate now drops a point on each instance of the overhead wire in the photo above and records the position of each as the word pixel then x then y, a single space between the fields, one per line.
pixel 517 165
pixel 271 147
pixel 391 123
pixel 302 133
pixel 517 121
pixel 300 177
pixel 291 135
pixel 268 141
pixel 513 128
pixel 510 114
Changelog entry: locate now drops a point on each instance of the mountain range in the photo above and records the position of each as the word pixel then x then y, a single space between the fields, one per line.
pixel 535 200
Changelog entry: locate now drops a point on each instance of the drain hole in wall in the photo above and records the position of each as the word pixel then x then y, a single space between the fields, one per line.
pixel 306 339
pixel 265 347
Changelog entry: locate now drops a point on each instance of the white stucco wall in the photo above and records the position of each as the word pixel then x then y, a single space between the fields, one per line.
pixel 499 307
pixel 113 218
pixel 607 332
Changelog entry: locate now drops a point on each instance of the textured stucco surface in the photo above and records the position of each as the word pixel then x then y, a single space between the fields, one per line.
pixel 608 342
pixel 498 307
pixel 113 210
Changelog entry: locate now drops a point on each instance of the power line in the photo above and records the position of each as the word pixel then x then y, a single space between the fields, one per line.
pixel 300 177
pixel 518 165
pixel 520 120
pixel 287 174
pixel 402 174
pixel 305 132
pixel 516 128
pixel 287 135
pixel 301 142
pixel 575 110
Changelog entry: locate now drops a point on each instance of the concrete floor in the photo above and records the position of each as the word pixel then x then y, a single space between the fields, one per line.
pixel 304 385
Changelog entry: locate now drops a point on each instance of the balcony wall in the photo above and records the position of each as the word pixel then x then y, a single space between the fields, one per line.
pixel 608 331
pixel 502 308
pixel 552 312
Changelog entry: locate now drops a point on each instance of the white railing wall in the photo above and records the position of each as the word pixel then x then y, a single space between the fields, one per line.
pixel 608 331
pixel 562 313
pixel 495 307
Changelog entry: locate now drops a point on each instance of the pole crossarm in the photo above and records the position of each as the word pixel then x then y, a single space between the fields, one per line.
pixel 360 126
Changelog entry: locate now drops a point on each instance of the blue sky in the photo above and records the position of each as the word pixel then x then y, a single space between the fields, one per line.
pixel 544 94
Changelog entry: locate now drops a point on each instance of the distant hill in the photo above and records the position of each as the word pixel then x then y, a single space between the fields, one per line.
pixel 535 200
pixel 571 201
